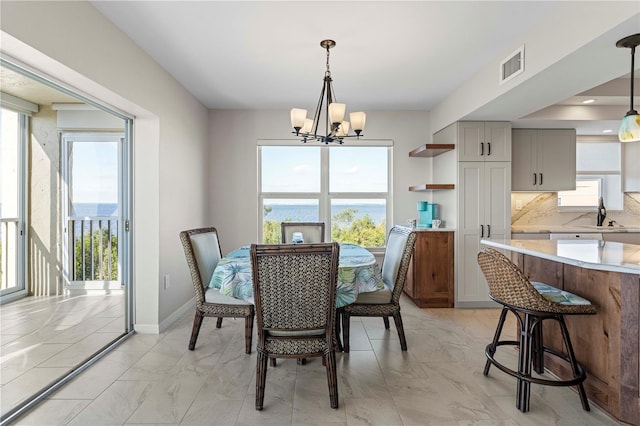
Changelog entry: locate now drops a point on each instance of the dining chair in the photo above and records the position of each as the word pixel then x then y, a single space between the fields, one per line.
pixel 531 303
pixel 294 288
pixel 312 232
pixel 385 303
pixel 202 250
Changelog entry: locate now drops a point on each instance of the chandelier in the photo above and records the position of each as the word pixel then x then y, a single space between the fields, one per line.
pixel 630 125
pixel 335 128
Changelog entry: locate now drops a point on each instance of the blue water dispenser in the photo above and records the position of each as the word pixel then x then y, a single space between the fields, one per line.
pixel 426 213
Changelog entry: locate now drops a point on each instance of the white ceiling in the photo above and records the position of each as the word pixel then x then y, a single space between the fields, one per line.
pixel 390 55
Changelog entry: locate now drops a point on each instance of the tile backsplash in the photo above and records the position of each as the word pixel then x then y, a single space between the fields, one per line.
pixel 541 208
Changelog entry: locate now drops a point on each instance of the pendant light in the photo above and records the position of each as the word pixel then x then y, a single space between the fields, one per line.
pixel 630 125
pixel 336 129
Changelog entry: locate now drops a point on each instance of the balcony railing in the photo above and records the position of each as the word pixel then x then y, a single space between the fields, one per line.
pixel 8 252
pixel 94 248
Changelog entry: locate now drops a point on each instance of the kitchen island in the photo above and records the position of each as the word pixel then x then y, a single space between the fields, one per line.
pixel 606 344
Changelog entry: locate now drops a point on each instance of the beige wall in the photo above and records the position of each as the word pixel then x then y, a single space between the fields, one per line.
pixel 73 43
pixel 233 183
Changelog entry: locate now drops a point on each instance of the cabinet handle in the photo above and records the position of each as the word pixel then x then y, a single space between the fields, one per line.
pixel 481 148
pixel 488 148
pixel 535 179
pixel 481 231
pixel 540 178
pixel 488 231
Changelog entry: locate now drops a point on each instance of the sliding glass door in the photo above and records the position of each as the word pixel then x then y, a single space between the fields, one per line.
pixel 12 210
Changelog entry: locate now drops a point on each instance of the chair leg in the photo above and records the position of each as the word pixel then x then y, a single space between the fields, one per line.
pixel 272 361
pixel 261 377
pixel 491 348
pixel 574 363
pixel 219 322
pixel 346 319
pixel 248 332
pixel 332 379
pixel 338 340
pixel 538 349
pixel 524 365
pixel 386 322
pixel 397 318
pixel 197 323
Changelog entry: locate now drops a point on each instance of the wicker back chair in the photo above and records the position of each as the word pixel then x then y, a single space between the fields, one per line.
pixel 312 232
pixel 531 303
pixel 202 251
pixel 294 288
pixel 385 303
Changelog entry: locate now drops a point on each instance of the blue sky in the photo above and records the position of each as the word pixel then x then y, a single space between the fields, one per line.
pixel 298 169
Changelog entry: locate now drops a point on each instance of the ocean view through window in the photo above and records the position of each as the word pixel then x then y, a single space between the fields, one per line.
pixel 347 188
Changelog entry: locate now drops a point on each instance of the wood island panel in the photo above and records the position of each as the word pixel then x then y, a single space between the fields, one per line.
pixel 606 344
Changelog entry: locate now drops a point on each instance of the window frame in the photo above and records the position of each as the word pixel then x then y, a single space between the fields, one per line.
pixel 325 197
pixel 600 175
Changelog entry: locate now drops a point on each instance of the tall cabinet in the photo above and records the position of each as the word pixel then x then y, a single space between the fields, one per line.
pixel 483 202
pixel 484 211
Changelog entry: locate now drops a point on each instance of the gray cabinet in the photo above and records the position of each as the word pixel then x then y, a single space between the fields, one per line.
pixel 483 141
pixel 622 237
pixel 631 167
pixel 484 212
pixel 543 159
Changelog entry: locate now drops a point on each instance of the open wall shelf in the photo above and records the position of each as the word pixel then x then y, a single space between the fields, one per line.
pixel 431 187
pixel 431 149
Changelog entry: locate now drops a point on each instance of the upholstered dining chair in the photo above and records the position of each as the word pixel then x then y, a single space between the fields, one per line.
pixel 312 232
pixel 294 288
pixel 531 303
pixel 385 303
pixel 202 250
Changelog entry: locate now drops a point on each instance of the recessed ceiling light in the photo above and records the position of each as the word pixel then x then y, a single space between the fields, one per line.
pixel 607 131
pixel 589 101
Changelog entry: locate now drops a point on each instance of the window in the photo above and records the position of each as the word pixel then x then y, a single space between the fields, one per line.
pixel 598 175
pixel 347 188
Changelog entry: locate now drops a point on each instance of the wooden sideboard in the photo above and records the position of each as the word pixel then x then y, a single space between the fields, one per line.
pixel 430 277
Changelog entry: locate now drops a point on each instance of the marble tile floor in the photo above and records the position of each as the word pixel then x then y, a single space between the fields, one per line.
pixel 42 338
pixel 156 380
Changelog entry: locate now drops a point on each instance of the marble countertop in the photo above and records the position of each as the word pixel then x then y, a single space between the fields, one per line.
pixel 578 229
pixel 589 254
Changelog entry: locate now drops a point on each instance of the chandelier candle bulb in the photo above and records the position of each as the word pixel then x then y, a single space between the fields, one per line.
pixel 343 129
pixel 358 120
pixel 336 113
pixel 298 117
pixel 308 125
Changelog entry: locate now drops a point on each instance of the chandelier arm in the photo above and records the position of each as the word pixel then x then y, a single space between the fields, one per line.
pixel 316 116
pixel 633 56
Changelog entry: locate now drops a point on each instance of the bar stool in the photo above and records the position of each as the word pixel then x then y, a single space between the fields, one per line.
pixel 535 302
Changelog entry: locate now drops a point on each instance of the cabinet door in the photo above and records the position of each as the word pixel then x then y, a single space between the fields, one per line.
pixel 470 134
pixel 472 286
pixel 631 166
pixel 556 159
pixel 497 207
pixel 497 141
pixel 524 152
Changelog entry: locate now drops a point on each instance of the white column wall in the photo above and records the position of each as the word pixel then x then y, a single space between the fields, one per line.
pixel 75 44
pixel 233 185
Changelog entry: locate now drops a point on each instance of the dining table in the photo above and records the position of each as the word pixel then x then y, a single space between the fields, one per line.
pixel 358 273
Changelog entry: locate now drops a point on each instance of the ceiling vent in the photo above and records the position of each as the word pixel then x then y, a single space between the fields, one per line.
pixel 512 65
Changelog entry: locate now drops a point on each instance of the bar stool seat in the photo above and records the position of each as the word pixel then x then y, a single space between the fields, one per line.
pixel 531 303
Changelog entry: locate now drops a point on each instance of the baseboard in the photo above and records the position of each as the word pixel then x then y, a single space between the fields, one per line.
pixel 159 328
pixel 189 306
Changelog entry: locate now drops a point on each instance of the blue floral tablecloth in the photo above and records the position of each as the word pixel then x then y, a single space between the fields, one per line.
pixel 357 273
